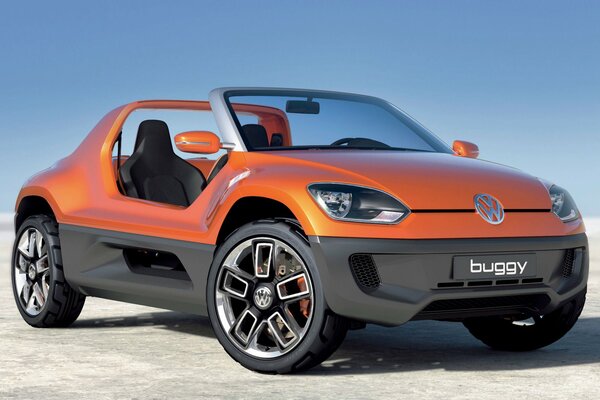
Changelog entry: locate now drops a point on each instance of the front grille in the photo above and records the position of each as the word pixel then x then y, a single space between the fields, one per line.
pixel 567 267
pixel 531 302
pixel 365 271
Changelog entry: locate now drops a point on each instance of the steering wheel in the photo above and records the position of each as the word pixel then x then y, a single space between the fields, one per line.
pixel 359 142
pixel 342 141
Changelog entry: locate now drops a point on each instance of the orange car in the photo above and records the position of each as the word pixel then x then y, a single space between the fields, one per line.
pixel 324 212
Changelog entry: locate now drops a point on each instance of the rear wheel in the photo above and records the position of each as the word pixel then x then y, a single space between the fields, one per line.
pixel 266 303
pixel 529 333
pixel 43 297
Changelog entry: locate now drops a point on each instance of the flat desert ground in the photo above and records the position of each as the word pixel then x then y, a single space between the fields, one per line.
pixel 121 351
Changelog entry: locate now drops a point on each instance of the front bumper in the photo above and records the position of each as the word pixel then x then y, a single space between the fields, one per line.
pixel 391 281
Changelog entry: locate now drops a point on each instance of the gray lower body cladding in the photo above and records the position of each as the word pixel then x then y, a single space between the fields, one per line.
pixel 383 281
pixel 389 281
pixel 139 269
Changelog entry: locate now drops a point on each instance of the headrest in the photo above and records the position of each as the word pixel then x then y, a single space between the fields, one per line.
pixel 154 136
pixel 276 140
pixel 256 135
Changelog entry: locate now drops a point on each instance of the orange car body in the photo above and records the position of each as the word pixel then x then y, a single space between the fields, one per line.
pixel 82 191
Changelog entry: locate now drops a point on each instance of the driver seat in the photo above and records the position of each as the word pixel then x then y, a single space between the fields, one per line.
pixel 154 172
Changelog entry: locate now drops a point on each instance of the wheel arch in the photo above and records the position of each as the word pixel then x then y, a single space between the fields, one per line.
pixel 32 205
pixel 254 208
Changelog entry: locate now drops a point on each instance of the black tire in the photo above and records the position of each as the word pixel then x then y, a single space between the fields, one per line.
pixel 326 330
pixel 63 304
pixel 502 334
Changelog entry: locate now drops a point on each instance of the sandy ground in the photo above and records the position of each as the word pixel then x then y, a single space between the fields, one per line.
pixel 117 351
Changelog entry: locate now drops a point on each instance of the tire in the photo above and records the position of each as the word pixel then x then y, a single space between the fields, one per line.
pixel 509 335
pixel 310 344
pixel 53 303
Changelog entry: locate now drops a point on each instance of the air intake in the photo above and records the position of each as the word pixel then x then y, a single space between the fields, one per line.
pixel 535 302
pixel 567 267
pixel 365 271
pixel 480 307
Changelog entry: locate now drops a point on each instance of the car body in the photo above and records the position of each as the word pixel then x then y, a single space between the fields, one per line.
pixel 455 210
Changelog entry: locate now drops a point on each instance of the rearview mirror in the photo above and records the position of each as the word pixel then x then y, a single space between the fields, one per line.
pixel 203 142
pixel 465 149
pixel 302 107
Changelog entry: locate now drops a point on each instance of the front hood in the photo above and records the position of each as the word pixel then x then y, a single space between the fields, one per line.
pixel 432 181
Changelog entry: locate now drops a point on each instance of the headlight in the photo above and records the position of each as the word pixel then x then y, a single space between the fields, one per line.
pixel 563 204
pixel 357 203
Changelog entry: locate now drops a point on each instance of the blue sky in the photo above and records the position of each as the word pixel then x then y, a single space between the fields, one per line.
pixel 520 79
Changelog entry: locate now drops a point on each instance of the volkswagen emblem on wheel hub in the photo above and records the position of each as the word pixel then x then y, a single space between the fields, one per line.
pixel 489 208
pixel 31 272
pixel 263 297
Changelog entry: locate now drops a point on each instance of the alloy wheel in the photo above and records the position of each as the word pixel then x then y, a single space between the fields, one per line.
pixel 32 272
pixel 264 297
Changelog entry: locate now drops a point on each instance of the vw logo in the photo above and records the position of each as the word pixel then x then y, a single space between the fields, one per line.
pixel 489 208
pixel 263 297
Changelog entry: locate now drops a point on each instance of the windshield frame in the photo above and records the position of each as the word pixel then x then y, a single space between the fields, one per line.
pixel 231 119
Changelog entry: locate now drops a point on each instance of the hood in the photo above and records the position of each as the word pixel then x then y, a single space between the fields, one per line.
pixel 432 181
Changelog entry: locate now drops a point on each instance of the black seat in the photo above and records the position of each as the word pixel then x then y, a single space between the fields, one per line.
pixel 276 140
pixel 256 135
pixel 154 172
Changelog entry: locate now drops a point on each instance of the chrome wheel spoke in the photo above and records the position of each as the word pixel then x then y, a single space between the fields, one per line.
pixel 246 326
pixel 293 288
pixel 41 265
pixel 39 295
pixel 291 320
pixel 30 306
pixel 240 273
pixel 32 239
pixel 23 264
pixel 281 330
pixel 40 245
pixel 253 340
pixel 23 245
pixel 20 282
pixel 234 285
pixel 45 285
pixel 25 291
pixel 296 299
pixel 262 254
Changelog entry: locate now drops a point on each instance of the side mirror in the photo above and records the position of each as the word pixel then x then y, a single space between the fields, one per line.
pixel 465 149
pixel 203 142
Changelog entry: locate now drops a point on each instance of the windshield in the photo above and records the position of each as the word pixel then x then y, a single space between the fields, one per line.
pixel 294 120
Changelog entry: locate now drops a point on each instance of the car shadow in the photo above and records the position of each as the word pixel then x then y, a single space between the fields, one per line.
pixel 174 321
pixel 432 345
pixel 422 345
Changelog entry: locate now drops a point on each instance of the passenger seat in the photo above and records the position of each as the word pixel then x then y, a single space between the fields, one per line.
pixel 256 136
pixel 154 172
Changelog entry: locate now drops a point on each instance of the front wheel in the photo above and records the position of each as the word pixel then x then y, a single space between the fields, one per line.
pixel 527 334
pixel 266 303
